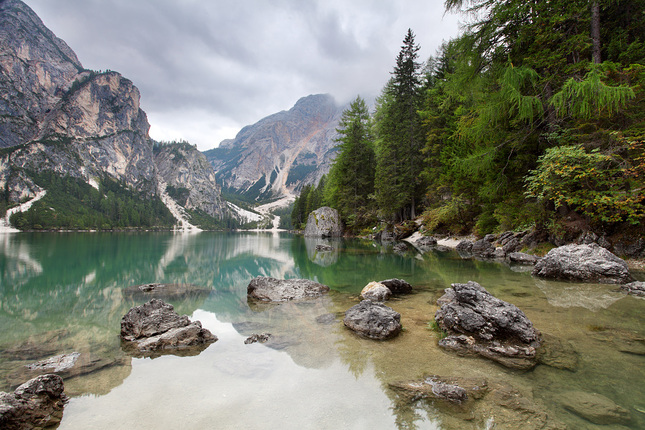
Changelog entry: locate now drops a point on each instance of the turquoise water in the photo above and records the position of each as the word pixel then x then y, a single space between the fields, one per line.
pixel 65 292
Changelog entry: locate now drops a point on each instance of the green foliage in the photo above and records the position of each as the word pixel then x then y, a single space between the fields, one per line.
pixel 593 183
pixel 285 217
pixel 453 215
pixel 206 222
pixel 351 177
pixel 178 194
pixel 591 97
pixel 310 199
pixel 73 204
pixel 399 138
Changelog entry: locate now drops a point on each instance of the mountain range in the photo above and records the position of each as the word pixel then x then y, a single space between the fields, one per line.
pixel 58 118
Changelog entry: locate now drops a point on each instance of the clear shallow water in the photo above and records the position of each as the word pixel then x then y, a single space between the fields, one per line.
pixel 64 292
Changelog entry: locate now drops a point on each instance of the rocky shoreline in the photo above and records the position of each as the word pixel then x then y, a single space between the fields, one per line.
pixel 634 263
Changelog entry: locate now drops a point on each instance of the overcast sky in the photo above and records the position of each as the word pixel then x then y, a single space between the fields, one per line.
pixel 207 68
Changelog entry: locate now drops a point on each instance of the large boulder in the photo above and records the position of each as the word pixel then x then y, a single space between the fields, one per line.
pixel 324 222
pixel 281 290
pixel 373 320
pixel 477 322
pixel 38 403
pixel 586 263
pixel 155 328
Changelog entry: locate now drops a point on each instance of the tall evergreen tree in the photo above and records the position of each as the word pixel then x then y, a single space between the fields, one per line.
pixel 351 178
pixel 400 137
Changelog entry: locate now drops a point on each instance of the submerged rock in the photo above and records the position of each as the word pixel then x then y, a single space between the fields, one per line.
pixel 38 403
pixel 373 320
pixel 155 328
pixel 522 258
pixel 455 389
pixel 586 263
pixel 282 290
pixel 262 338
pixel 595 408
pixel 166 291
pixel 323 247
pixel 634 289
pixel 324 222
pixel 67 366
pixel 376 292
pixel 474 403
pixel 558 353
pixel 477 322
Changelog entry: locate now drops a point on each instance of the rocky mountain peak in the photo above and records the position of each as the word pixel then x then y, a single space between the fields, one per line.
pixel 282 152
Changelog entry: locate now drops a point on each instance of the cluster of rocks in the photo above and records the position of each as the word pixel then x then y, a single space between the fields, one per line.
pixel 574 262
pixel 154 328
pixel 371 318
pixel 505 245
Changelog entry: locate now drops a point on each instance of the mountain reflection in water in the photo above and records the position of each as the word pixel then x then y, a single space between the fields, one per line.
pixel 67 292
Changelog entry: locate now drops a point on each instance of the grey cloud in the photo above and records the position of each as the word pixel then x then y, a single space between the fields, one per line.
pixel 237 61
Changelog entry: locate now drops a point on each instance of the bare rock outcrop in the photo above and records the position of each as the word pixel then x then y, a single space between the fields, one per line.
pixel 324 222
pixel 584 263
pixel 190 178
pixel 38 403
pixel 373 320
pixel 154 328
pixel 479 323
pixel 281 290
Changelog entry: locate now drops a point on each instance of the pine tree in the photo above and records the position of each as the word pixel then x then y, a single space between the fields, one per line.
pixel 400 137
pixel 351 178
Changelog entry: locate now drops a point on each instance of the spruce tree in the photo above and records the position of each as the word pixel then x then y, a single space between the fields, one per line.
pixel 351 178
pixel 400 137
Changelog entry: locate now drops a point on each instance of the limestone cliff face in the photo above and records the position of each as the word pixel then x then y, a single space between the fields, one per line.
pixel 57 116
pixel 37 68
pixel 96 128
pixel 189 178
pixel 281 152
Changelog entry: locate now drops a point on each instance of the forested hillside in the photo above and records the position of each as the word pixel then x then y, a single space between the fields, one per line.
pixel 533 117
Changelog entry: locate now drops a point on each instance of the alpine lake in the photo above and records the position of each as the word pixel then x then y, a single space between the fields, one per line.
pixel 67 292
